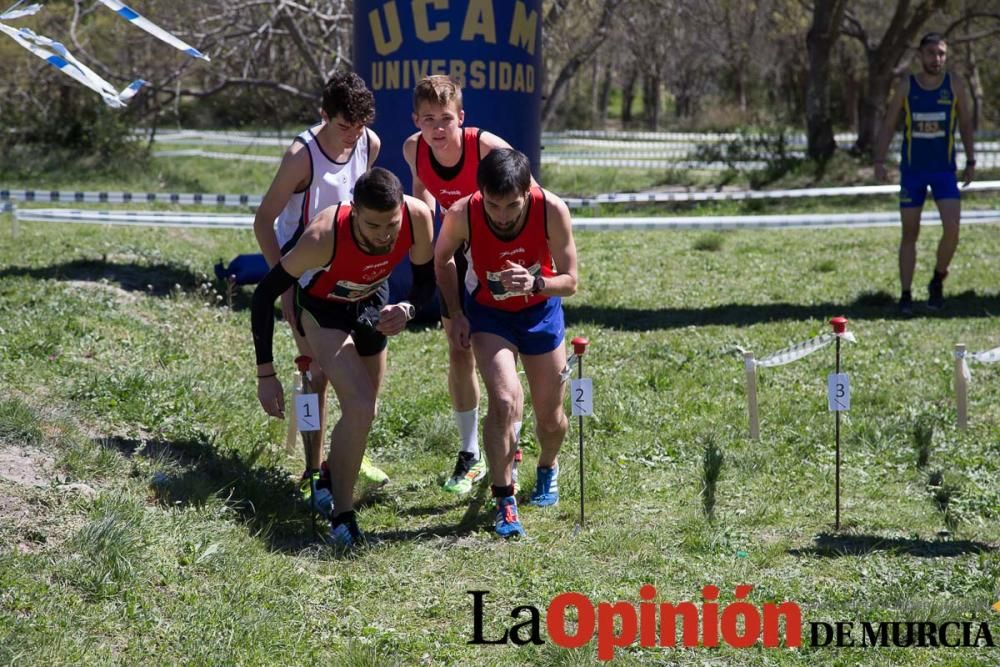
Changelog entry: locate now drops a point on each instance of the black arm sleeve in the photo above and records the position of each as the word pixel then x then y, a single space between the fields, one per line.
pixel 262 311
pixel 422 290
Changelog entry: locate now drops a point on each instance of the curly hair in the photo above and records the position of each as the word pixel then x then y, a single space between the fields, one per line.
pixel 346 94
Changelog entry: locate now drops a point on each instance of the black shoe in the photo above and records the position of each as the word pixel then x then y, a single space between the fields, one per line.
pixel 906 304
pixel 935 294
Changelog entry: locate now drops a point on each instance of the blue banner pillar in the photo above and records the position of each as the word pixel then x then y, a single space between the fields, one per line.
pixel 493 48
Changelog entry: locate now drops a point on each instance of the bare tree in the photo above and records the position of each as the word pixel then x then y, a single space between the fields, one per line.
pixel 287 46
pixel 573 42
pixel 883 57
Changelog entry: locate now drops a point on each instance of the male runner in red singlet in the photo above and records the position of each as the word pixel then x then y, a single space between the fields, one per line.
pixel 443 158
pixel 319 170
pixel 522 259
pixel 339 269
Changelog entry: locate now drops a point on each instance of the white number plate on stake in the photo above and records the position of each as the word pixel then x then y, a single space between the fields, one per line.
pixel 838 392
pixel 307 412
pixel 582 397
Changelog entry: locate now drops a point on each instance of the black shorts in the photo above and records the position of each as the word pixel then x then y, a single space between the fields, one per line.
pixel 462 265
pixel 345 317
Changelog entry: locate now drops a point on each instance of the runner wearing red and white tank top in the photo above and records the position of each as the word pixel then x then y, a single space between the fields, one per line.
pixel 449 184
pixel 352 274
pixel 444 158
pixel 490 254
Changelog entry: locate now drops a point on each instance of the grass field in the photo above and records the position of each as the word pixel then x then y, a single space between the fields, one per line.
pixel 147 508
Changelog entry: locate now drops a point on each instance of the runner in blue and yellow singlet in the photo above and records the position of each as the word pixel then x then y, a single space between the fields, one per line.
pixel 933 102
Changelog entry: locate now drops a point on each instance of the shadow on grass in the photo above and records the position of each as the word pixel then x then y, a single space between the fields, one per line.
pixel 827 545
pixel 160 280
pixel 877 305
pixel 193 473
pixel 267 498
pixel 471 522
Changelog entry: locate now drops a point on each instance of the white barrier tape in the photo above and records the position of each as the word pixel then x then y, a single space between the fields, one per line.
pixel 668 154
pixel 137 218
pixel 143 23
pixel 215 155
pixel 673 136
pixel 648 164
pixel 840 137
pixel 987 161
pixel 14 13
pixel 608 145
pixel 165 218
pixel 768 221
pixel 739 195
pixel 611 198
pixel 132 197
pixel 987 356
pixel 59 57
pixel 219 138
pixel 567 371
pixel 803 349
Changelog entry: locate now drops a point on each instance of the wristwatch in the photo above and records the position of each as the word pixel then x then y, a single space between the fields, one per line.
pixel 538 285
pixel 408 309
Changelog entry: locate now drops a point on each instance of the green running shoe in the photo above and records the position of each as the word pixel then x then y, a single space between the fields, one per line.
pixel 468 471
pixel 372 474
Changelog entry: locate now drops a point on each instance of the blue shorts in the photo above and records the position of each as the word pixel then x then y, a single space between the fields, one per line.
pixel 535 330
pixel 913 187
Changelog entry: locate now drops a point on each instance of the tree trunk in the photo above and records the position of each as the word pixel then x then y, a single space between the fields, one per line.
pixel 651 100
pixel 871 110
pixel 604 96
pixel 974 82
pixel 628 95
pixel 822 35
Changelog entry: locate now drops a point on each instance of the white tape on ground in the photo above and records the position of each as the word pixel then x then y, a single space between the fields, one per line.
pixel 803 349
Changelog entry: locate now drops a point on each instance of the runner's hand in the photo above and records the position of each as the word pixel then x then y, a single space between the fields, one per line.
pixel 271 396
pixel 968 174
pixel 458 331
pixel 392 320
pixel 516 278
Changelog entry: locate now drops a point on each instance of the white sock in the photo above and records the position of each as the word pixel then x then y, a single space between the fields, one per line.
pixel 517 434
pixel 468 430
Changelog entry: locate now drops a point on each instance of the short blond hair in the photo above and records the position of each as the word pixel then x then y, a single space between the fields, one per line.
pixel 437 89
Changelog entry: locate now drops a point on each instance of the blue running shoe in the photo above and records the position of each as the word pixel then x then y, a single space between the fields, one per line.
pixel 346 535
pixel 316 491
pixel 507 523
pixel 546 486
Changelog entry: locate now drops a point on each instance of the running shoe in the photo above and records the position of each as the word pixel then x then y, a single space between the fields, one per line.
pixel 316 492
pixel 935 294
pixel 346 535
pixel 906 304
pixel 507 523
pixel 468 471
pixel 546 486
pixel 371 474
